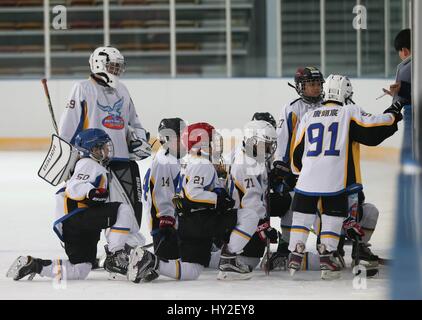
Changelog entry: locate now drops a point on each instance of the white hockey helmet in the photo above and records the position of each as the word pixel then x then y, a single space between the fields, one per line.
pixel 107 63
pixel 259 140
pixel 338 88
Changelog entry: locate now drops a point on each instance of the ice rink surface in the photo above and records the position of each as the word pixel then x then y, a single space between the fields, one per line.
pixel 27 205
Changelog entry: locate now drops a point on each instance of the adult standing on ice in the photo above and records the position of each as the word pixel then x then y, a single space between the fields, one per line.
pixel 103 102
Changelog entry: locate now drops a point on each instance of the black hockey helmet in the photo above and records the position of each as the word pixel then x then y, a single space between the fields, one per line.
pixel 265 116
pixel 170 127
pixel 308 74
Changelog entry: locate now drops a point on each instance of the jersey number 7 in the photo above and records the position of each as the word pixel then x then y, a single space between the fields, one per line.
pixel 315 134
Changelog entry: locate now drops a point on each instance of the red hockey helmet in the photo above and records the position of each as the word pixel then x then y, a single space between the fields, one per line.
pixel 197 135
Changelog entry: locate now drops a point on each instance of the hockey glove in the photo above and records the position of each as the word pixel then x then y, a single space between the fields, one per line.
pixel 265 231
pixel 180 204
pixel 166 225
pixel 352 229
pixel 97 196
pixel 224 201
pixel 278 173
pixel 395 110
pixel 140 148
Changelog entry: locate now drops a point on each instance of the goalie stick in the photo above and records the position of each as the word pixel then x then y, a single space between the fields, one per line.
pixel 50 106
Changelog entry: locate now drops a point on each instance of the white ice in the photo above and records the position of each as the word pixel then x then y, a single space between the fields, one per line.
pixel 27 205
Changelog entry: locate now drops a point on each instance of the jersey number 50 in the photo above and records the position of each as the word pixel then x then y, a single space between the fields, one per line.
pixel 315 134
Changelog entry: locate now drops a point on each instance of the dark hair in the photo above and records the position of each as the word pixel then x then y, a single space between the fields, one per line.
pixel 402 40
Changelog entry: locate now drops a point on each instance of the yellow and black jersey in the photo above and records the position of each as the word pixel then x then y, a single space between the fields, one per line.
pixel 326 150
pixel 198 180
pixel 72 198
pixel 160 186
pixel 290 117
pixel 248 184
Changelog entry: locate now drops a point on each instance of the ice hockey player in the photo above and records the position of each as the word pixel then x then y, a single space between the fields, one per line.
pixel 362 216
pixel 309 86
pixel 204 215
pixel 249 185
pixel 324 154
pixel 83 210
pixel 103 102
pixel 160 186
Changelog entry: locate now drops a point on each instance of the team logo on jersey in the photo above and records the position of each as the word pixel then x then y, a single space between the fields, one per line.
pixel 113 120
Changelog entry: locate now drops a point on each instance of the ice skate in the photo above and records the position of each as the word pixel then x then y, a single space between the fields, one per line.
pixel 143 266
pixel 24 266
pixel 231 268
pixel 365 254
pixel 330 266
pixel 295 258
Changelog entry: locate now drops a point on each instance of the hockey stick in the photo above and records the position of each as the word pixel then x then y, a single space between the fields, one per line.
pixel 268 247
pixel 50 106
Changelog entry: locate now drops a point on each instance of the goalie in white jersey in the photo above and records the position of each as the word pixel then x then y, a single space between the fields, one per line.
pixel 83 209
pixel 326 155
pixel 103 102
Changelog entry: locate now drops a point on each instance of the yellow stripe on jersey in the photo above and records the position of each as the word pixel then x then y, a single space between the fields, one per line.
pixel 119 231
pixel 73 198
pixel 369 125
pixel 238 186
pixel 346 159
pixel 356 161
pixel 102 182
pixel 197 201
pixel 294 131
pixel 331 236
pixel 178 269
pixel 154 201
pixel 295 146
pixel 86 120
pixel 299 230
pixel 241 234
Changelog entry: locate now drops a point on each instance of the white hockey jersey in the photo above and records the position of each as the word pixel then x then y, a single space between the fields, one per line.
pixel 291 115
pixel 70 199
pixel 92 105
pixel 326 149
pixel 160 186
pixel 248 184
pixel 198 180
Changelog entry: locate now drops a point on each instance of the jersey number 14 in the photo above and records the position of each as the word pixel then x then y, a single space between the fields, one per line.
pixel 315 134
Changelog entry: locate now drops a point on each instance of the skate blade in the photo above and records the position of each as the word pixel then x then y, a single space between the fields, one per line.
pixel 14 268
pixel 232 276
pixel 132 269
pixel 117 276
pixel 330 275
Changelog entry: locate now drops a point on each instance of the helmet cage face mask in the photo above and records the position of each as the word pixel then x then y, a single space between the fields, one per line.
pixel 260 150
pixel 116 67
pixel 102 152
pixel 171 141
pixel 217 147
pixel 300 88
